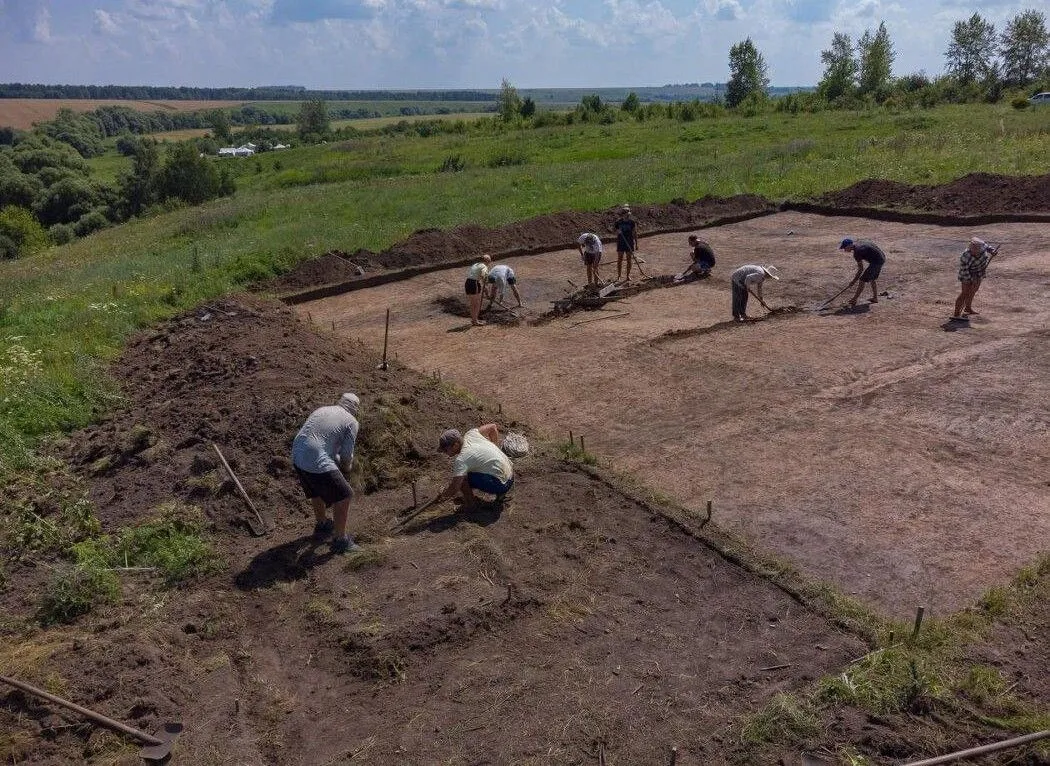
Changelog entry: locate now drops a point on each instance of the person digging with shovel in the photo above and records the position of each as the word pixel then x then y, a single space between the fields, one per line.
pixel 626 241
pixel 501 276
pixel 322 455
pixel 477 464
pixel 590 245
pixel 703 260
pixel 973 263
pixel 865 252
pixel 746 281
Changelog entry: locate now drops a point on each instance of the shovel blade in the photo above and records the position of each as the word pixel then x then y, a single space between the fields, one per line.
pixel 160 752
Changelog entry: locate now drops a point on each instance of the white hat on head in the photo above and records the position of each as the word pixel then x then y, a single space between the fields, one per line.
pixel 977 241
pixel 350 402
pixel 772 271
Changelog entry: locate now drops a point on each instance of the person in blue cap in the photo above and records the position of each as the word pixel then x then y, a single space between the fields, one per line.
pixel 870 260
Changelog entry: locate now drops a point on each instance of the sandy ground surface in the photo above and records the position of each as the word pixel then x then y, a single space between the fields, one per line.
pixel 884 450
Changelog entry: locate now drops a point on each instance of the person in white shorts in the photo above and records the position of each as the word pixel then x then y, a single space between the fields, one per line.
pixel 477 464
pixel 500 278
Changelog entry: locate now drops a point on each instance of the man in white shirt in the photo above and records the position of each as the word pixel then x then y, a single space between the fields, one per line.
pixel 477 463
pixel 590 246
pixel 322 454
pixel 501 276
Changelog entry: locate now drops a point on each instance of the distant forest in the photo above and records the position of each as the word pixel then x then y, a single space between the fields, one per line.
pixel 267 93
pixel 708 91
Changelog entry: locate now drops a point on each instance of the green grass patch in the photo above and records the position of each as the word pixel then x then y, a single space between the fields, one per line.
pixel 174 543
pixel 785 718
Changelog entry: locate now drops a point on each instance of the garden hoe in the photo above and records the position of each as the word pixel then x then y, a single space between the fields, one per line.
pixel 155 749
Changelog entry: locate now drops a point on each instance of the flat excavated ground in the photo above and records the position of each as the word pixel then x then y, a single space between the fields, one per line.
pixel 884 450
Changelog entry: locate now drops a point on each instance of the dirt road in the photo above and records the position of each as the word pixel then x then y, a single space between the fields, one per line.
pixel 891 453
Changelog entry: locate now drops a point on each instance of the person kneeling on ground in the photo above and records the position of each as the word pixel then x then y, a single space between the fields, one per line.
pixel 474 286
pixel 477 464
pixel 870 252
pixel 745 278
pixel 703 260
pixel 322 454
pixel 500 278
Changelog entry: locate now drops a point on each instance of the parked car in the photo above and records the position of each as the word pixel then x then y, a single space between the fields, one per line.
pixel 1040 98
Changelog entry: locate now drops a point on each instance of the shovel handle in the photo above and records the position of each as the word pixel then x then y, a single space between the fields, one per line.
pixel 237 483
pixel 91 715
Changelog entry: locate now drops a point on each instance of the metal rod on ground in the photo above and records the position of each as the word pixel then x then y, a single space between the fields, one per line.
pixel 918 621
pixel 386 337
pixel 983 749
pixel 598 319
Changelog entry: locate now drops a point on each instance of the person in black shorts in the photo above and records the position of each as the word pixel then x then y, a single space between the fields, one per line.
pixel 474 286
pixel 322 455
pixel 870 253
pixel 703 260
pixel 626 241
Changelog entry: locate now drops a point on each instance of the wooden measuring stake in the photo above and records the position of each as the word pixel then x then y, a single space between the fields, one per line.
pixel 918 621
pixel 386 337
pixel 583 448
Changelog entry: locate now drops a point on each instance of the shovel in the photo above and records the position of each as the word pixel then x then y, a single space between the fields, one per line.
pixel 156 749
pixel 826 303
pixel 400 521
pixel 256 523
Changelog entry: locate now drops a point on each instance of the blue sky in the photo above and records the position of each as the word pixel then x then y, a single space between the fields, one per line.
pixel 454 43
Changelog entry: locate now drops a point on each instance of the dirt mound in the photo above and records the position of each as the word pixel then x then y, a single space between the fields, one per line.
pixel 973 194
pixel 334 266
pixel 546 232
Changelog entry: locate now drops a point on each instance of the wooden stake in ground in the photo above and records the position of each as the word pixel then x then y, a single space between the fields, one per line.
pixel 386 337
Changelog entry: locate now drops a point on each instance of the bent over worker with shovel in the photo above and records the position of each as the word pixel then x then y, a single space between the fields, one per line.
pixel 743 280
pixel 322 454
pixel 876 259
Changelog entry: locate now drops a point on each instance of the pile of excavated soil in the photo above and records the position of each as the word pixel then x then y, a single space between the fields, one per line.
pixel 973 194
pixel 433 246
pixel 334 266
pixel 574 618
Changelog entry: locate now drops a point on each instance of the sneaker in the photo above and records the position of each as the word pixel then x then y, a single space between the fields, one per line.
pixel 344 544
pixel 323 528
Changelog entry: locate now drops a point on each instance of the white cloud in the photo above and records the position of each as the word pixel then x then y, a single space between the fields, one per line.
pixel 106 23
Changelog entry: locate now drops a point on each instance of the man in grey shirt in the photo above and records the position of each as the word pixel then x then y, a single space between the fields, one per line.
pixel 322 454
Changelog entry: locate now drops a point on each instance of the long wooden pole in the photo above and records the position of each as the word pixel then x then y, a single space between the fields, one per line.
pixel 91 715
pixel 237 483
pixel 983 749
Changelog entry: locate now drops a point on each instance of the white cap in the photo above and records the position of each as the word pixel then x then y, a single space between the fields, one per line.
pixel 350 403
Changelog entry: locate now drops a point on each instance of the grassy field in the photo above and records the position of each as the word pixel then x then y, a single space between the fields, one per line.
pixel 66 311
pixel 364 123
